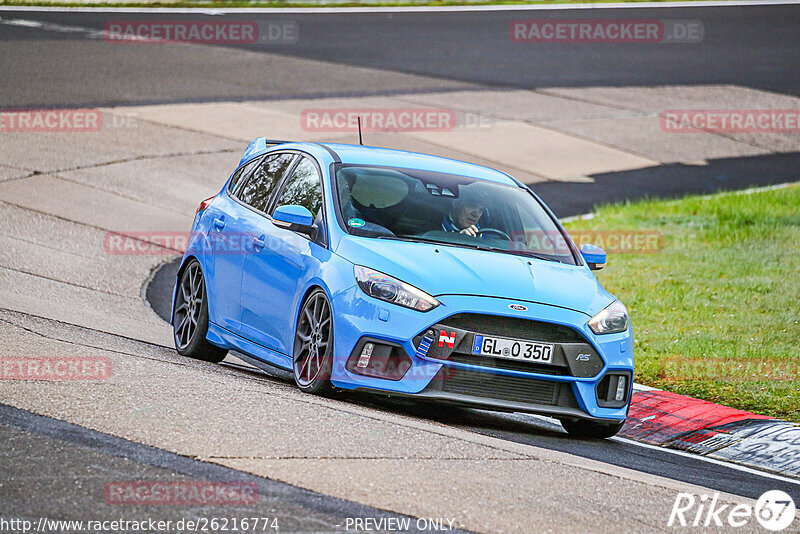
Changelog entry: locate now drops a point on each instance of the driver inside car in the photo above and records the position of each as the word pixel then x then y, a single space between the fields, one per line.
pixel 466 212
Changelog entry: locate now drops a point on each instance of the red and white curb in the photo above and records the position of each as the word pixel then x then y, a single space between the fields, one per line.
pixel 679 422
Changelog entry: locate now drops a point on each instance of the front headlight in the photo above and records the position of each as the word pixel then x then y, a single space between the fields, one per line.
pixel 611 320
pixel 384 287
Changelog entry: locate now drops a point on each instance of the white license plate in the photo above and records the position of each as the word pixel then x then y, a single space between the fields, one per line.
pixel 513 349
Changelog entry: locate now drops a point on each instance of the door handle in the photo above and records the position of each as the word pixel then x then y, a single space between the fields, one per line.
pixel 259 242
pixel 219 223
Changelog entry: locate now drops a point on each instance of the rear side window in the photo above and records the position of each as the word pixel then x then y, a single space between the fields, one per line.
pixel 260 188
pixel 243 172
pixel 303 188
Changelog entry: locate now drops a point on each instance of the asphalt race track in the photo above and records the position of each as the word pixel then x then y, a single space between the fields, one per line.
pixel 60 447
pixel 369 54
pixel 87 456
pixel 747 46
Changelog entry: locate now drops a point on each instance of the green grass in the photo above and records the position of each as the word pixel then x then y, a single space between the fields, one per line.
pixel 223 4
pixel 715 313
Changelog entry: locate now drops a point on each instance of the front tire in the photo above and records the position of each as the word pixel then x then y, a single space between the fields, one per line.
pixel 313 345
pixel 190 317
pixel 581 428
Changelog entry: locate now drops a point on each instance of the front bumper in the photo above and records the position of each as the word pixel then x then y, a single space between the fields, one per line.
pixel 570 387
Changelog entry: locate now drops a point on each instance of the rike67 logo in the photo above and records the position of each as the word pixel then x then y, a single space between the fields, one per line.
pixel 774 510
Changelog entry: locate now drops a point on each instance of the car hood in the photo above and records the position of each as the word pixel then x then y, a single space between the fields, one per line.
pixel 447 270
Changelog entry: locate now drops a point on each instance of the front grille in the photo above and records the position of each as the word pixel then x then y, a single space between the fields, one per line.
pixel 509 365
pixel 513 327
pixel 504 388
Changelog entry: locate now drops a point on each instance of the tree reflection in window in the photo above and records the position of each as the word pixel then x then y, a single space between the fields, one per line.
pixel 259 189
pixel 243 171
pixel 303 188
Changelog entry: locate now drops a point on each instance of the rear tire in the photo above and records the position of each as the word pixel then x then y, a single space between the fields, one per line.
pixel 190 317
pixel 581 428
pixel 313 345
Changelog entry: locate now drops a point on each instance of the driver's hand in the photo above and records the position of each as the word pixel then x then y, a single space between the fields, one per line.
pixel 472 231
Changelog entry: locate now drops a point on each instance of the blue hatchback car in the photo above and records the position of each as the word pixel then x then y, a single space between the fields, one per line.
pixel 371 269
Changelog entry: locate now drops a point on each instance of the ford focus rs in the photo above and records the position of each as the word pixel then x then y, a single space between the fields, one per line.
pixel 405 274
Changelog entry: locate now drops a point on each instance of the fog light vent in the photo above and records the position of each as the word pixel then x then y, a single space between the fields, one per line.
pixel 366 354
pixel 379 359
pixel 612 389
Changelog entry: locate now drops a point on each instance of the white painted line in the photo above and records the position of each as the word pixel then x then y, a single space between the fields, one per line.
pixel 583 217
pixel 731 465
pixel 21 22
pixel 752 190
pixel 411 9
pixel 47 26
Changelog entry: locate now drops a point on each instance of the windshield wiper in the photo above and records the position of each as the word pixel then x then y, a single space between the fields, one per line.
pixel 524 254
pixel 415 239
pixel 400 238
pixel 528 254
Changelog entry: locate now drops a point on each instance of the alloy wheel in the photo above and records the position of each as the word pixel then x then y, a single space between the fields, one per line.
pixel 188 304
pixel 312 343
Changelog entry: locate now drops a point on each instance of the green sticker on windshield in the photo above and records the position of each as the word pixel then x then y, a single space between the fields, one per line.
pixel 356 223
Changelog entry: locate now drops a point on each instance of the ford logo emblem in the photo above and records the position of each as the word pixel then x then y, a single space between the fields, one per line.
pixel 518 307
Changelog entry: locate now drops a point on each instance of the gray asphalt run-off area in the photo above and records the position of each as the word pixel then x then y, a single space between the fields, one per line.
pixel 577 121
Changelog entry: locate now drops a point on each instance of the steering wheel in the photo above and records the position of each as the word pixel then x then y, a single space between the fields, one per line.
pixel 494 231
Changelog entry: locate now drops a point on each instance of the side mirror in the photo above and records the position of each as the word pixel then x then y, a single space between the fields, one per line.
pixel 594 256
pixel 294 217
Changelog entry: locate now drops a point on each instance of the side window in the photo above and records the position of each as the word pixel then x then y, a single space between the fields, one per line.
pixel 243 172
pixel 260 188
pixel 303 188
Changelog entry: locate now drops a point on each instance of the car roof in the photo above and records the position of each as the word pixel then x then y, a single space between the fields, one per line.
pixel 370 155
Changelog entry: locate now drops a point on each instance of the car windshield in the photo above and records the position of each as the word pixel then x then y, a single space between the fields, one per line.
pixel 425 206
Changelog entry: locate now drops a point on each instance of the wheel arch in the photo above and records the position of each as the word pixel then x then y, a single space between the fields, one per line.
pixel 309 290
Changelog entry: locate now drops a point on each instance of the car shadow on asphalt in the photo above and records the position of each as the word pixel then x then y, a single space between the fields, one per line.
pixel 443 413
